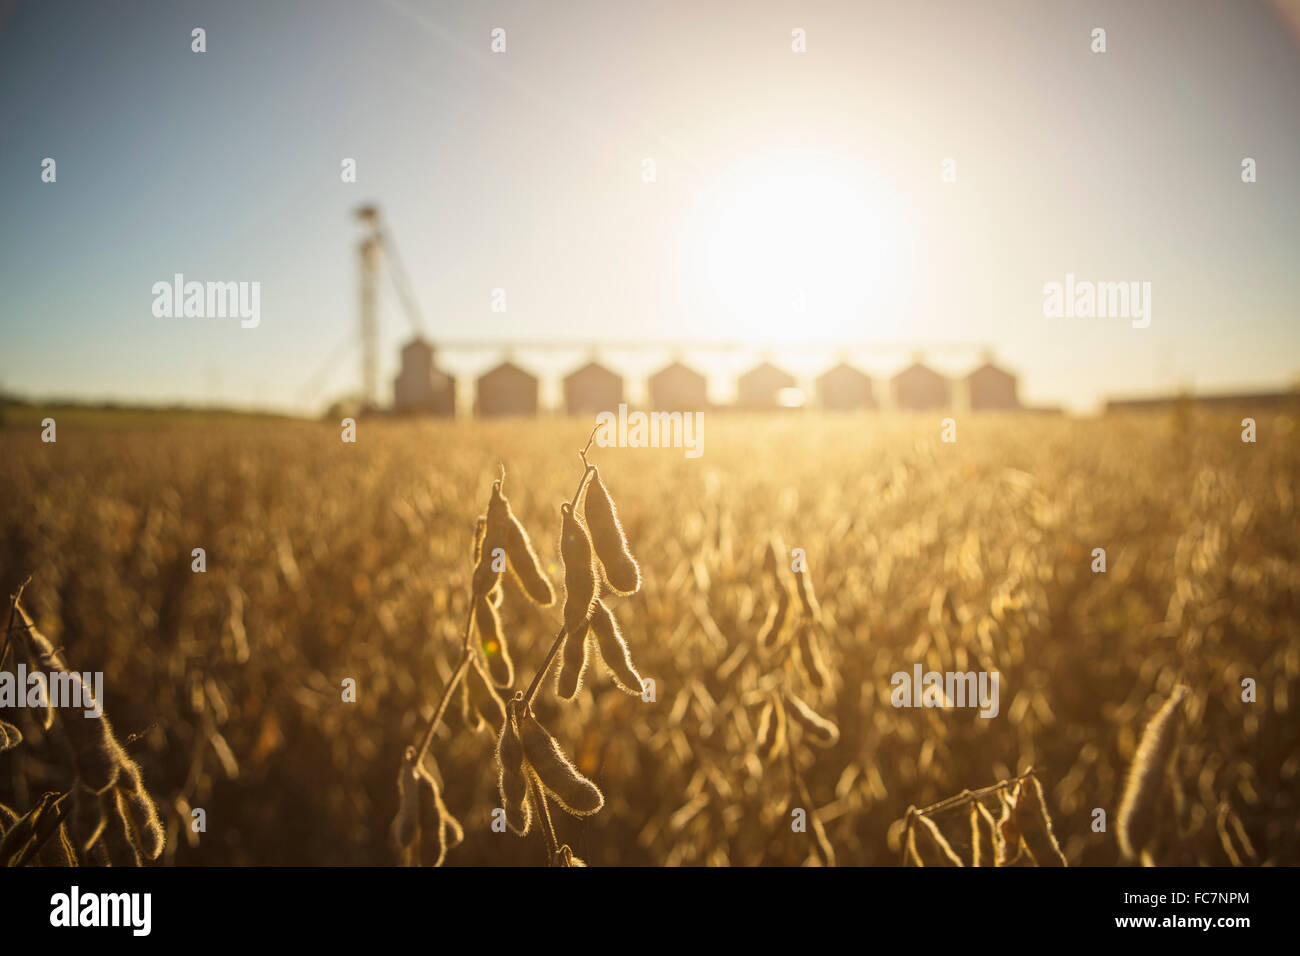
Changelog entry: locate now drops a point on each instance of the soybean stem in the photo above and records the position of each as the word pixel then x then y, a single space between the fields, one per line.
pixel 587 467
pixel 967 795
pixel 559 638
pixel 544 811
pixel 541 671
pixel 461 667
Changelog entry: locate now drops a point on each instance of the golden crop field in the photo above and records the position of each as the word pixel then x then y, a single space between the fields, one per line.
pixel 329 563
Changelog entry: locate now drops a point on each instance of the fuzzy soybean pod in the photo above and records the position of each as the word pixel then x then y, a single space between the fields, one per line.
pixel 821 731
pixel 141 809
pixel 984 835
pixel 525 563
pixel 41 656
pixel 1010 848
pixel 764 729
pixel 579 570
pixel 484 706
pixel 928 846
pixel 438 831
pixel 807 596
pixel 454 834
pixel 39 826
pixel 52 834
pixel 57 849
pixel 568 678
pixel 769 637
pixel 825 851
pixel 480 529
pixel 571 790
pixel 1036 825
pixel 496 534
pixel 810 656
pixel 492 640
pixel 564 857
pixel 512 774
pixel 96 752
pixel 613 650
pixel 406 825
pixel 1136 824
pixel 118 840
pixel 610 541
pixel 16 838
pixel 772 737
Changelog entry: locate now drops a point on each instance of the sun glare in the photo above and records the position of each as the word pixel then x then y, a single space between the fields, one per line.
pixel 795 252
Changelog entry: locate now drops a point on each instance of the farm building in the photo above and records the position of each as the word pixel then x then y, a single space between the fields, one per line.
pixel 761 386
pixel 845 387
pixel 592 389
pixel 420 387
pixel 919 388
pixel 989 387
pixel 506 390
pixel 678 388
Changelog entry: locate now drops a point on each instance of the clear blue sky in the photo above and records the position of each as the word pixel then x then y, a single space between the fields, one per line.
pixel 523 171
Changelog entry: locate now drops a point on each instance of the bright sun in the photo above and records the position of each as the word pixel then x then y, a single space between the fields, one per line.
pixel 794 252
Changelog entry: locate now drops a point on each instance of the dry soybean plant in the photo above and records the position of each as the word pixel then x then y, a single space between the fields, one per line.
pixel 1022 834
pixel 424 828
pixel 533 768
pixel 1148 825
pixel 106 816
pixel 794 663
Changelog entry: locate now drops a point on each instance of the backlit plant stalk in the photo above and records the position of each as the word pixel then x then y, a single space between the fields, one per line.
pixel 1023 836
pixel 533 769
pixel 106 816
pixel 499 540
